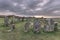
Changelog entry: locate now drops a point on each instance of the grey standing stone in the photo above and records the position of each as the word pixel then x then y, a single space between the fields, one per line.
pixel 55 26
pixel 49 27
pixel 17 19
pixel 46 28
pixel 6 21
pixel 36 25
pixel 23 19
pixel 26 26
pixel 13 19
pixel 12 24
pixel 12 27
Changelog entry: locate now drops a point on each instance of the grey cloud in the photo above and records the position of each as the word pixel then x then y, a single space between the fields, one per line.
pixel 47 9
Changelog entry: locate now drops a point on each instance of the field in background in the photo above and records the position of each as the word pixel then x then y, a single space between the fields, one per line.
pixel 19 34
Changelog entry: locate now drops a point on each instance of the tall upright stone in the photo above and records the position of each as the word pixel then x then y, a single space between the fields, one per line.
pixel 49 27
pixel 13 19
pixel 17 19
pixel 6 21
pixel 55 26
pixel 27 25
pixel 12 26
pixel 36 25
pixel 22 19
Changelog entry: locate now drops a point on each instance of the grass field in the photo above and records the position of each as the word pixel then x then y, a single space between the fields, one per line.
pixel 19 34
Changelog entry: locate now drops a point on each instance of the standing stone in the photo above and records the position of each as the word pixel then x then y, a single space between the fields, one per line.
pixel 46 28
pixel 22 19
pixel 49 27
pixel 36 25
pixel 26 26
pixel 12 27
pixel 55 26
pixel 6 21
pixel 17 19
pixel 13 19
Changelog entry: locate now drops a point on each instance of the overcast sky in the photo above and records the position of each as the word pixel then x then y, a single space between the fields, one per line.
pixel 31 7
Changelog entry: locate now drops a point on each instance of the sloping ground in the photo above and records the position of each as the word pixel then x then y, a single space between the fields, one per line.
pixel 19 34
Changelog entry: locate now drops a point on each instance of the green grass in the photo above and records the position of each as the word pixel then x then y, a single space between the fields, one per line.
pixel 19 34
